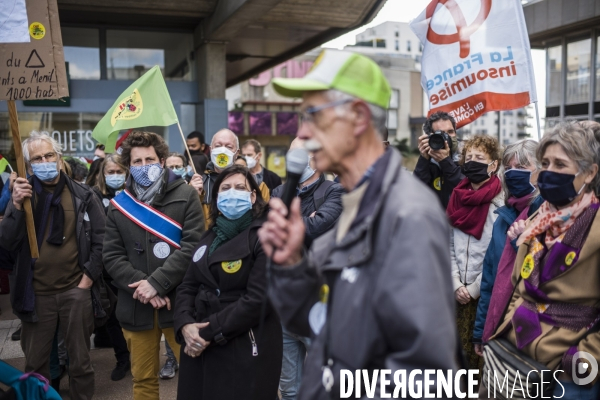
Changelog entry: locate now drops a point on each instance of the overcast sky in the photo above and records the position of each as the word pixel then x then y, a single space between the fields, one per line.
pixel 407 10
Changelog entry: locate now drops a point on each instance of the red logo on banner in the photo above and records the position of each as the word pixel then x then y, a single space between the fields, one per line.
pixel 463 32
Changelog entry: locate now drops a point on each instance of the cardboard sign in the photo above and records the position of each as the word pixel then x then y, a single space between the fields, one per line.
pixel 34 70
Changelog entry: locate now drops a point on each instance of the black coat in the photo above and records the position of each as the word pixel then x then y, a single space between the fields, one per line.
pixel 231 301
pixel 271 179
pixel 441 177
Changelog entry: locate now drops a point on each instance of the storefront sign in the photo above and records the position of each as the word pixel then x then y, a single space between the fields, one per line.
pixel 77 142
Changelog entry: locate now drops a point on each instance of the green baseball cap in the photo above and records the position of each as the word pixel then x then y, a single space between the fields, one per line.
pixel 345 71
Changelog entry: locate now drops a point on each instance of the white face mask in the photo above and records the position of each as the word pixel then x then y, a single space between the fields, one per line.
pixel 221 157
pixel 251 161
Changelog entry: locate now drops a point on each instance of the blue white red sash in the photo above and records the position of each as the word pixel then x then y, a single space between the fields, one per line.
pixel 148 218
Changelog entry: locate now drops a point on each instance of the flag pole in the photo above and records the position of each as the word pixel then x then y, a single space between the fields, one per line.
pixel 537 116
pixel 186 148
pixel 14 127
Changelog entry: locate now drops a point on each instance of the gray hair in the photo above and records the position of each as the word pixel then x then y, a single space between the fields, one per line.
pixel 237 140
pixel 580 145
pixel 378 114
pixel 525 153
pixel 35 137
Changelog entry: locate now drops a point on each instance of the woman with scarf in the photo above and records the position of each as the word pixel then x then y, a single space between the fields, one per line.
pixel 110 181
pixel 522 199
pixel 471 214
pixel 554 310
pixel 226 355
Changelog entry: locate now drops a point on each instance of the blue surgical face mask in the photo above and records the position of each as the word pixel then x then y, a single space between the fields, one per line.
pixel 115 181
pixel 518 182
pixel 307 174
pixel 146 175
pixel 179 171
pixel 46 171
pixel 234 203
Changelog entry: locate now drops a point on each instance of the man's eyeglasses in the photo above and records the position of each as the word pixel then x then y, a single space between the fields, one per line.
pixel 46 157
pixel 308 114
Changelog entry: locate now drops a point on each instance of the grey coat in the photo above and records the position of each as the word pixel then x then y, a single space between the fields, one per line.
pixel 391 305
pixel 129 253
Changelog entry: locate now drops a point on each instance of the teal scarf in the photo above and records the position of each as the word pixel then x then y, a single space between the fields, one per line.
pixel 227 229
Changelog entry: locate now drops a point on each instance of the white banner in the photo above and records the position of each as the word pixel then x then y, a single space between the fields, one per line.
pixel 476 57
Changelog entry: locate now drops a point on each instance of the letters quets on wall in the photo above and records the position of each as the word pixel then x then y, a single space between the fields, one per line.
pixel 32 67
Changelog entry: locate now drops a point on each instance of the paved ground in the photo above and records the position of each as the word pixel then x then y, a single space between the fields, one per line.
pixel 102 359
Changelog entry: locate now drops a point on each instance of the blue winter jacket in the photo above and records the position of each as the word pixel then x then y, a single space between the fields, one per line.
pixel 506 216
pixel 4 197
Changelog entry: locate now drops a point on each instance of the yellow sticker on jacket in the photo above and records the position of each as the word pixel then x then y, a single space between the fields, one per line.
pixel 437 183
pixel 528 265
pixel 231 267
pixel 324 294
pixel 569 258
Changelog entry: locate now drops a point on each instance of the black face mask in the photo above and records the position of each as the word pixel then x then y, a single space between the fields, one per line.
pixel 557 189
pixel 475 171
pixel 195 152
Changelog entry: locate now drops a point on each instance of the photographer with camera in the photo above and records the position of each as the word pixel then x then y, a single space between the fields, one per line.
pixel 435 167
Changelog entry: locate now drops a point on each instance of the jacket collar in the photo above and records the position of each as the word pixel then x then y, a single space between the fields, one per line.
pixel 358 241
pixel 508 214
pixel 237 248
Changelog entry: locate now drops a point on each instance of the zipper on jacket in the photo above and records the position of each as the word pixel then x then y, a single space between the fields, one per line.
pixel 254 347
pixel 467 263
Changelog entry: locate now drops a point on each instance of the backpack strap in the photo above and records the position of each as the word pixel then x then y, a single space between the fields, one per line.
pixel 320 192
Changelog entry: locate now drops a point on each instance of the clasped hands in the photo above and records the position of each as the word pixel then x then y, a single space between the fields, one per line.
pixel 194 344
pixel 145 293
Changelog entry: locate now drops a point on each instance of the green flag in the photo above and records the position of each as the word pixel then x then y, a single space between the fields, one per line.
pixel 3 164
pixel 145 103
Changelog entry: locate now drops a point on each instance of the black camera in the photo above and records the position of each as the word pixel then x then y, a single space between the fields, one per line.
pixel 437 140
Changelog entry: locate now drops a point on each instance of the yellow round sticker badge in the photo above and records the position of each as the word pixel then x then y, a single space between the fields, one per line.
pixel 222 160
pixel 231 267
pixel 527 267
pixel 569 258
pixel 437 183
pixel 37 30
pixel 324 294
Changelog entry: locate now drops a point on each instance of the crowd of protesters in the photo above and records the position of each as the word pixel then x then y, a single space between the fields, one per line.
pixel 385 269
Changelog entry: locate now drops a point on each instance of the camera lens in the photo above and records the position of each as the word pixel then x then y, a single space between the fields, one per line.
pixel 436 141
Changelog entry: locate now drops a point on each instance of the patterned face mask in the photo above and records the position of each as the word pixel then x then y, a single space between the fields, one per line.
pixel 146 175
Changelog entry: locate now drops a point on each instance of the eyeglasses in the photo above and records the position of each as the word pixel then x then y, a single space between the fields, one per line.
pixel 308 114
pixel 46 157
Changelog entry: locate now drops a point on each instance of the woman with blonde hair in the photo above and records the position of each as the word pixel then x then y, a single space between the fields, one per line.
pixel 554 310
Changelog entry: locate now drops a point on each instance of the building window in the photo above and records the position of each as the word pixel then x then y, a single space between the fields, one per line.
pixel 397 34
pixel 553 76
pixel 484 131
pixel 392 119
pixel 130 54
pixel 395 99
pixel 503 132
pixel 408 46
pixel 598 68
pixel 397 45
pixel 82 52
pixel 578 71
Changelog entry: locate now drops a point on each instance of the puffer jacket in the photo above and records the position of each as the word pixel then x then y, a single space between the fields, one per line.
pixel 467 253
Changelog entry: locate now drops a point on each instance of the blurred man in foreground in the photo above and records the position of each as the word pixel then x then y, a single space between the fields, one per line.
pixel 370 290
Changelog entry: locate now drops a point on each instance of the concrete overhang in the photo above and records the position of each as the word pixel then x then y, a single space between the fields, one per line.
pixel 258 34
pixel 548 20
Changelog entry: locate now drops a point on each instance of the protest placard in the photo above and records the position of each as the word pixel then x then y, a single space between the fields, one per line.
pixel 33 69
